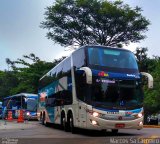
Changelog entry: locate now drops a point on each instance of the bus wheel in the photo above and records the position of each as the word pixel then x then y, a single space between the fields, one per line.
pixel 114 131
pixel 71 124
pixel 41 119
pixel 44 120
pixel 64 123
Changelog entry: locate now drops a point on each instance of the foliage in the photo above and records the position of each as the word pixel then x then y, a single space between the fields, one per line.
pixel 141 55
pixel 152 97
pixel 82 22
pixel 25 75
pixel 7 82
pixel 152 66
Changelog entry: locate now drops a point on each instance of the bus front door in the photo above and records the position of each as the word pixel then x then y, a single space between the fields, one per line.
pixel 82 115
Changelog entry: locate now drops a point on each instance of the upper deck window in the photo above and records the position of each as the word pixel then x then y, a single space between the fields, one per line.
pixel 115 59
pixel 79 58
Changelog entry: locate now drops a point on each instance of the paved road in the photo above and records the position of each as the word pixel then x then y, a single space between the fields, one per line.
pixel 33 131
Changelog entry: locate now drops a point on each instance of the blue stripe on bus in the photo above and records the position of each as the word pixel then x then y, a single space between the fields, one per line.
pixel 108 110
pixel 117 75
pixel 135 110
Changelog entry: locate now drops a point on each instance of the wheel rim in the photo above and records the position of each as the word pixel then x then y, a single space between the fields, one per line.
pixel 63 121
pixel 44 119
pixel 71 124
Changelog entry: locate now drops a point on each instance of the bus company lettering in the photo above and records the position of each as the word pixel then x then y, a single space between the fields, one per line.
pixel 117 113
pixel 131 75
pixel 104 81
pixel 112 112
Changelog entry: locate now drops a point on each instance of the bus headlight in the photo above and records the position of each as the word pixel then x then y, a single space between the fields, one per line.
pixel 94 122
pixel 28 113
pixel 140 115
pixel 140 123
pixel 95 114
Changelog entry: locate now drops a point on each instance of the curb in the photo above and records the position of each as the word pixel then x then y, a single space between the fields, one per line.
pixel 151 126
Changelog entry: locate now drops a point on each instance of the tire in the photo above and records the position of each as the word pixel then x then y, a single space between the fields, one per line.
pixel 41 119
pixel 62 121
pixel 114 131
pixel 71 124
pixel 64 124
pixel 66 127
pixel 104 132
pixel 44 120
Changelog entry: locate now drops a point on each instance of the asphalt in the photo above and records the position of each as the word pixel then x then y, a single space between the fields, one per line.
pixel 34 132
pixel 151 126
pixel 29 124
pixel 8 125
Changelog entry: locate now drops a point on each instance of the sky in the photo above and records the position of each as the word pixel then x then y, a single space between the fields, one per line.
pixel 20 33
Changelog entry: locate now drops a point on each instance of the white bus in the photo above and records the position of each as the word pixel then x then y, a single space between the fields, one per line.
pixel 97 88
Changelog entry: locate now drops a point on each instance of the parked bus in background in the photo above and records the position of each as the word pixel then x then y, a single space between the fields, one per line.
pixel 0 110
pixel 97 88
pixel 25 101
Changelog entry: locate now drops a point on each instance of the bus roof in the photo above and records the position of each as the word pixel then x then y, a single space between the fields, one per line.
pixel 29 95
pixel 93 46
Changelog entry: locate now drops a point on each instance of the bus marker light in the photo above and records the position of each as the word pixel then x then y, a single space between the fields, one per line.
pixel 140 115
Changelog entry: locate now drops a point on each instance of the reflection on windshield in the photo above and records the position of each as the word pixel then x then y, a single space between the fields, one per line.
pixel 115 59
pixel 123 93
pixel 31 104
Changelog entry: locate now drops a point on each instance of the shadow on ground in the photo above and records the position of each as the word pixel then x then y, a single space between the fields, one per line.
pixel 94 133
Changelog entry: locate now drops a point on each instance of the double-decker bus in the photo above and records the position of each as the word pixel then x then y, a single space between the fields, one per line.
pixel 23 101
pixel 97 88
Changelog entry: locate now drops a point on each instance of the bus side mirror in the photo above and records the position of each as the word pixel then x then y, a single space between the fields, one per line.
pixel 88 73
pixel 150 79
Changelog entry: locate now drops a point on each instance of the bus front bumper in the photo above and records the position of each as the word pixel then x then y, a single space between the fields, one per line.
pixel 100 124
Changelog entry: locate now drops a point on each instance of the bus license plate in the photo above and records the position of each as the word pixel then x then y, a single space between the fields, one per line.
pixel 120 125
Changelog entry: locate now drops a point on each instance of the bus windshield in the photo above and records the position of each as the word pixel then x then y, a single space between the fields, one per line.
pixel 32 105
pixel 20 102
pixel 116 94
pixel 113 59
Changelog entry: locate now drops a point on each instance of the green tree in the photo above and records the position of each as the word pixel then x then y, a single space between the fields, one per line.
pixel 28 71
pixel 23 75
pixel 142 58
pixel 152 66
pixel 8 81
pixel 81 22
pixel 152 97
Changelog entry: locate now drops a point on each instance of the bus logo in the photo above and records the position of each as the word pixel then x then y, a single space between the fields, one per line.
pixel 121 103
pixel 120 117
pixel 42 96
pixel 103 74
